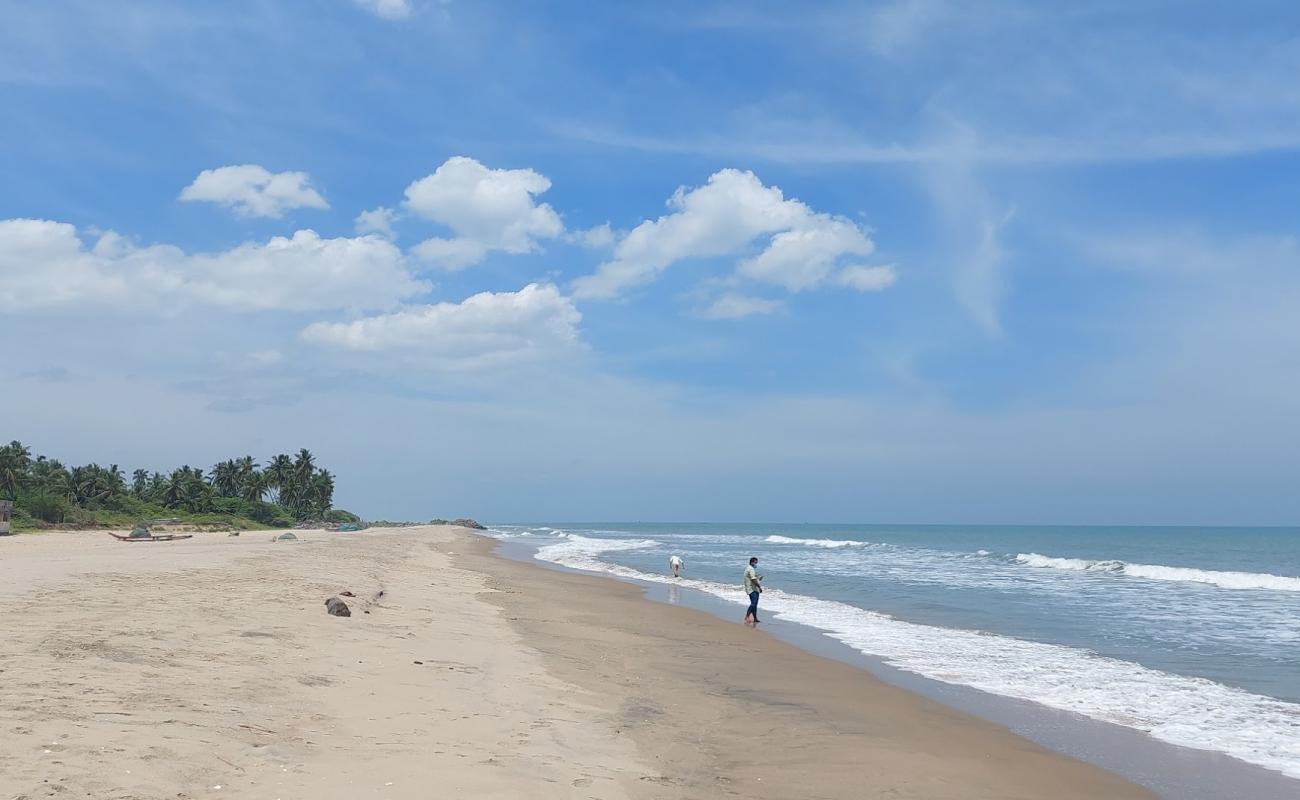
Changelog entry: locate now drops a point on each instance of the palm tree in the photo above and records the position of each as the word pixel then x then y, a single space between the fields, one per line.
pixel 15 462
pixel 253 487
pixel 292 481
pixel 48 476
pixel 225 478
pixel 10 475
pixel 304 465
pixel 23 452
pixel 245 466
pixel 157 486
pixel 279 475
pixel 173 494
pixel 322 495
pixel 116 480
pixel 88 486
pixel 140 482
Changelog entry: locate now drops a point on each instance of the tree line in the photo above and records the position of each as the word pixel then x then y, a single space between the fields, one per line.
pixel 287 489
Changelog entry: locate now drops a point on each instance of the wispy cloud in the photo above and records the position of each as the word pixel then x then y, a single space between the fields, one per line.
pixel 1040 83
pixel 388 9
pixel 732 305
pixel 814 148
pixel 972 223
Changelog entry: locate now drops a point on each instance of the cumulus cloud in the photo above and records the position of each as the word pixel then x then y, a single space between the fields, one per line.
pixel 724 218
pixel 388 9
pixel 487 330
pixel 802 258
pixel 738 306
pixel 254 191
pixel 45 264
pixel 487 209
pixel 377 221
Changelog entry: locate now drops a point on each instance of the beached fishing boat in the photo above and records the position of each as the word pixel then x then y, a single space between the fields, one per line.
pixel 166 537
pixel 141 533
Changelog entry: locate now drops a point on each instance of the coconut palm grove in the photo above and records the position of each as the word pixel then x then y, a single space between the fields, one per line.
pixel 240 492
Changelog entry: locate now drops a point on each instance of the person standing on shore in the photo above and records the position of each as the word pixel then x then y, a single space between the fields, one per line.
pixel 753 588
pixel 676 563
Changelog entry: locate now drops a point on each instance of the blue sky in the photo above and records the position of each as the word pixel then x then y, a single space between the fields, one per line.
pixel 913 261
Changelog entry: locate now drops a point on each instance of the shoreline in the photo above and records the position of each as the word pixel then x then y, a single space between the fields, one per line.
pixel 1168 770
pixel 829 731
pixel 208 668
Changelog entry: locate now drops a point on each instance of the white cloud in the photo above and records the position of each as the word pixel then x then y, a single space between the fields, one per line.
pixel 866 279
pixel 254 191
pixel 596 238
pixel 716 219
pixel 388 9
pixel 45 264
pixel 487 330
pixel 722 218
pixel 738 306
pixel 802 258
pixel 487 209
pixel 377 221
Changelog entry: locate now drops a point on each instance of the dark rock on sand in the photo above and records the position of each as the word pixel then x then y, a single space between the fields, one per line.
pixel 465 522
pixel 337 607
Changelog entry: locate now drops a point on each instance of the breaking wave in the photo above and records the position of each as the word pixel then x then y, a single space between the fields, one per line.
pixel 830 544
pixel 1156 572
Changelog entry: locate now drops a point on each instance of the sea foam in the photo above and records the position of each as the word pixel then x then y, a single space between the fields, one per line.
pixel 830 544
pixel 1157 572
pixel 1186 711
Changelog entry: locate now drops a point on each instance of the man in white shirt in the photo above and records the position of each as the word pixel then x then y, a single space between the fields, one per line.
pixel 676 563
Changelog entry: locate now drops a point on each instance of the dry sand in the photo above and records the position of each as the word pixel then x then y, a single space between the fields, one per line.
pixel 167 670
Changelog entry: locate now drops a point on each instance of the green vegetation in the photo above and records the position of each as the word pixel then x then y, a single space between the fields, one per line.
pixel 238 493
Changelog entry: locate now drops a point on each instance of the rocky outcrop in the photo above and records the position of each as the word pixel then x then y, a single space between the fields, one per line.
pixel 466 522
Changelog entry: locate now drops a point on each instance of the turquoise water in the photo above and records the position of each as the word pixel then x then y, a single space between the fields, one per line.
pixel 1189 634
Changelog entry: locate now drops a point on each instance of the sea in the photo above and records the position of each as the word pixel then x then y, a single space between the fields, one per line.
pixel 1188 635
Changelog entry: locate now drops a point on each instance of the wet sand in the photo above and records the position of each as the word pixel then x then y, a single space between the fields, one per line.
pixel 723 710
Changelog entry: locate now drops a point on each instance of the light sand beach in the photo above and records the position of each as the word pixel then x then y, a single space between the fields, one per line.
pixel 208 667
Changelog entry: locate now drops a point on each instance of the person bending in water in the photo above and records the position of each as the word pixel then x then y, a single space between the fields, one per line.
pixel 753 588
pixel 676 563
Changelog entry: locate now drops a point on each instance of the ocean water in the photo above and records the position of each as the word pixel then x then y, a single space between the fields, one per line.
pixel 1189 634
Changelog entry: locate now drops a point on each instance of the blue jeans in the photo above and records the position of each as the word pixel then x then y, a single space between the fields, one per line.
pixel 753 606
